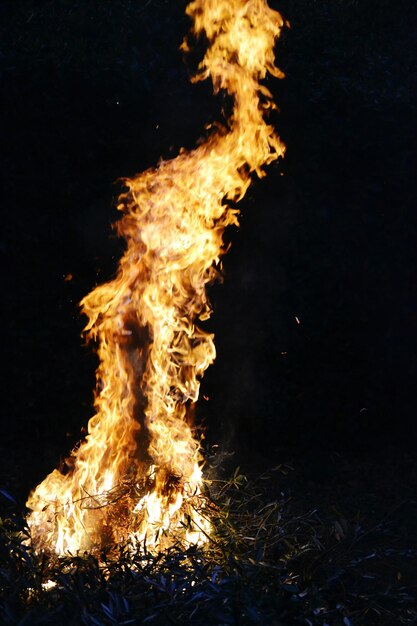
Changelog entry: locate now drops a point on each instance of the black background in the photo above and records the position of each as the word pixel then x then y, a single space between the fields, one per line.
pixel 94 91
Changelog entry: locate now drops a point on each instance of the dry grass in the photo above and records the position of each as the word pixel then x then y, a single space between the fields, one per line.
pixel 267 562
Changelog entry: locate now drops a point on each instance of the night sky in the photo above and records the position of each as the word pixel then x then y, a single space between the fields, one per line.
pixel 315 321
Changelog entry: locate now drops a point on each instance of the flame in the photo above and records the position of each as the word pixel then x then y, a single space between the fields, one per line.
pixel 138 474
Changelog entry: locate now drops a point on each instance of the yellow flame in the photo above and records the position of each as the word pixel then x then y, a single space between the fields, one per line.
pixel 137 476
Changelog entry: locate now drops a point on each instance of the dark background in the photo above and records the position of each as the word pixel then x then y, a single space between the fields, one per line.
pixel 92 91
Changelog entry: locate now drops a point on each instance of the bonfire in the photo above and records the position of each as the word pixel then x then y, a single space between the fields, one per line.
pixel 138 475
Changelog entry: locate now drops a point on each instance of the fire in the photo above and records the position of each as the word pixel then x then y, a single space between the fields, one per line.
pixel 138 474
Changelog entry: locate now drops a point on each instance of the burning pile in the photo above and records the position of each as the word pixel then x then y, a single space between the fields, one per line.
pixel 137 476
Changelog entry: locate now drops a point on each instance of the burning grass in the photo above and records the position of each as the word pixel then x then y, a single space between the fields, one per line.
pixel 268 561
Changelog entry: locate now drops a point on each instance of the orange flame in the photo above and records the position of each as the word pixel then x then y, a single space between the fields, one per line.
pixel 137 476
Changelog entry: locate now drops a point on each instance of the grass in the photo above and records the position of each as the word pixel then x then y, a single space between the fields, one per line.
pixel 269 561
